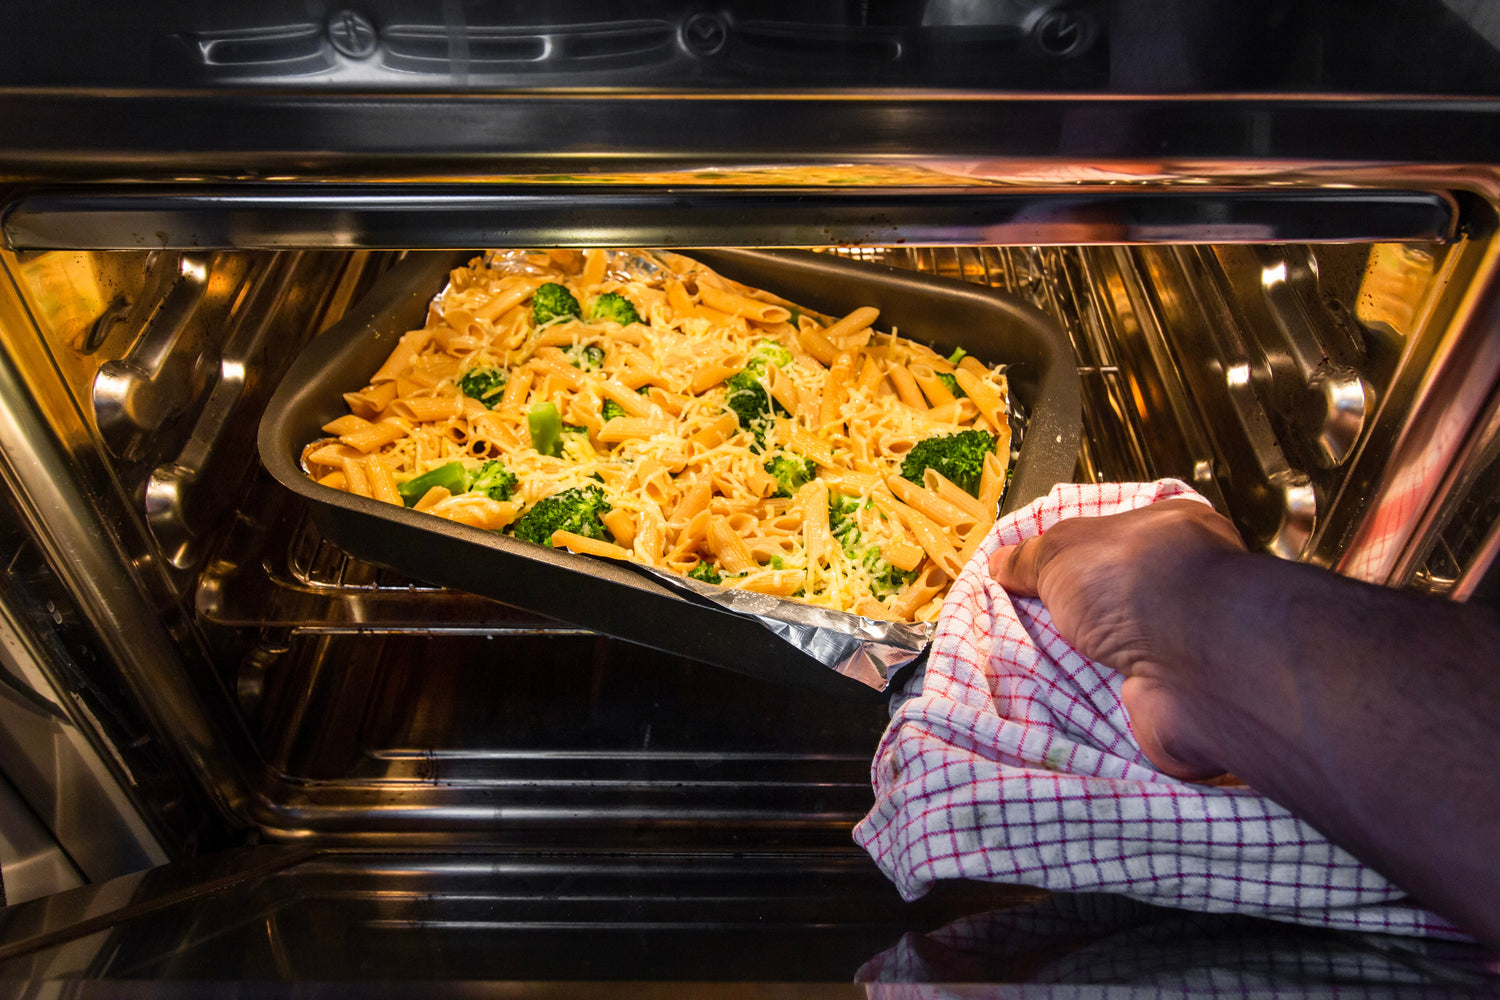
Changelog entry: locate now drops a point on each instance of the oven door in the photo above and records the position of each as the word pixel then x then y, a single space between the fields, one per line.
pixel 305 132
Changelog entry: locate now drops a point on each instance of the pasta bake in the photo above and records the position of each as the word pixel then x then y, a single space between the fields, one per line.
pixel 639 406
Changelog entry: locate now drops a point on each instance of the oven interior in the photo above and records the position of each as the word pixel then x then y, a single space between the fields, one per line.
pixel 349 707
pixel 1266 230
pixel 1263 375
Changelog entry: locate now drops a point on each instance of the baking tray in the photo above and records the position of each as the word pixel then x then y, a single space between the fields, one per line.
pixel 615 598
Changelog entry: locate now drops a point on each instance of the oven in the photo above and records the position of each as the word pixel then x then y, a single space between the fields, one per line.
pixel 1267 235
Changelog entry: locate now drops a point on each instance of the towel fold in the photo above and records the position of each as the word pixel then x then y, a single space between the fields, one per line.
pixel 1011 759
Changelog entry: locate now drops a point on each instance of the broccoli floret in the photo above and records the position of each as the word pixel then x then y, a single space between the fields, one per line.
pixel 885 579
pixel 960 457
pixel 614 307
pixel 952 383
pixel 545 424
pixel 842 511
pixel 452 477
pixel 576 510
pixel 580 431
pixel 768 352
pixel 706 573
pixel 958 355
pixel 791 472
pixel 751 403
pixel 493 480
pixel 552 301
pixel 747 396
pixel 589 357
pixel 484 383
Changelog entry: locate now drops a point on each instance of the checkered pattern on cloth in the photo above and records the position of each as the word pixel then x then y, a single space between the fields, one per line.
pixel 1012 760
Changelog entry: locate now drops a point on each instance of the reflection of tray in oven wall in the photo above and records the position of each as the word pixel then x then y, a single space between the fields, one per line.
pixel 614 598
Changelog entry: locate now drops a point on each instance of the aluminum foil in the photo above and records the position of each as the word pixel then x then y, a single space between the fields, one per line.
pixel 649 267
pixel 867 650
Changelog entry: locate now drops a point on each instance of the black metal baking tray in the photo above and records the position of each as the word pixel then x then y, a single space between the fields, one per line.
pixel 614 598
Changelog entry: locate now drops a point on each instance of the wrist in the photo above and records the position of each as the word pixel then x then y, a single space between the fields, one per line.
pixel 1194 613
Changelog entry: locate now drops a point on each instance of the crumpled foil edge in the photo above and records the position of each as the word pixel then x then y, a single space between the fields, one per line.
pixel 866 650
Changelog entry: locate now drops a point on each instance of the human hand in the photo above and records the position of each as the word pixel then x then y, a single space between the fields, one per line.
pixel 1120 588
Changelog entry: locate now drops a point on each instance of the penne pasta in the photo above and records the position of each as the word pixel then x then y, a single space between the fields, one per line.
pixel 777 583
pixel 857 322
pixel 836 391
pixel 694 501
pixel 727 546
pixel 906 387
pixel 902 554
pixel 382 482
pixel 717 432
pixel 625 428
pixel 649 538
pixel 632 402
pixel 738 305
pixel 816 344
pixel 405 353
pixel 986 397
pixel 698 426
pixel 347 424
pixel 424 409
pixel 918 593
pixel 932 387
pixel 518 291
pixel 375 436
pixel 933 507
pixel 710 375
pixel 621 524
pixel 951 493
pixel 928 535
pixel 584 545
pixel 371 402
pixel 992 484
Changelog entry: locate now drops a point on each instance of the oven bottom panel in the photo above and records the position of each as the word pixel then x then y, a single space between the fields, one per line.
pixel 390 921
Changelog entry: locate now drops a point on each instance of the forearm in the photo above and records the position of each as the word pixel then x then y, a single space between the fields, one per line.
pixel 1359 708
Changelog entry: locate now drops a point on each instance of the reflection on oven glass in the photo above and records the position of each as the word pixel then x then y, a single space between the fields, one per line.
pixel 1101 939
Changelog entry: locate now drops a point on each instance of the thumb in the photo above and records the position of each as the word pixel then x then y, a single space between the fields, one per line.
pixel 1016 567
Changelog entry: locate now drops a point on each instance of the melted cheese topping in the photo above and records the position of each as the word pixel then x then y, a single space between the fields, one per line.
pixel 693 482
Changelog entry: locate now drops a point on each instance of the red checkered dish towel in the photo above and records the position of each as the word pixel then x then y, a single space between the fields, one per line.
pixel 1011 760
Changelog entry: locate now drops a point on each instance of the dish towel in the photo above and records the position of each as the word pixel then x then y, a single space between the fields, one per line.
pixel 1011 760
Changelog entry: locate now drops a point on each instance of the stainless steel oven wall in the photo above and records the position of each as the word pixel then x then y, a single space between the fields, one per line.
pixel 191 193
pixel 352 704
